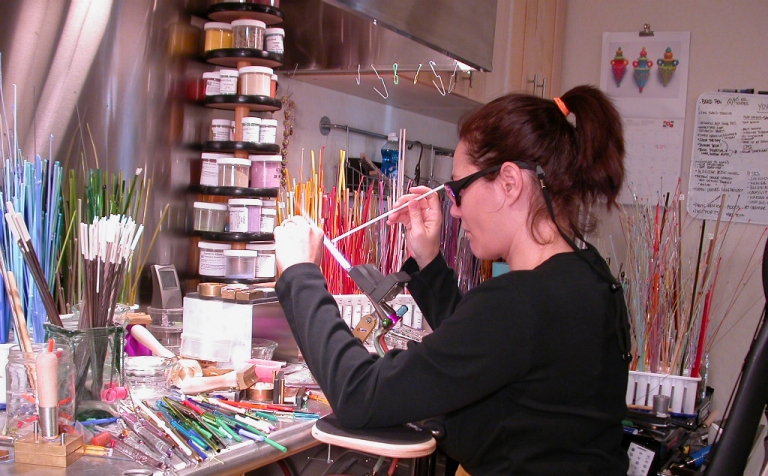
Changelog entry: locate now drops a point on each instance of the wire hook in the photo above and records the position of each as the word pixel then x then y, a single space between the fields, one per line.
pixel 358 75
pixel 396 78
pixel 441 91
pixel 382 83
pixel 452 82
pixel 416 78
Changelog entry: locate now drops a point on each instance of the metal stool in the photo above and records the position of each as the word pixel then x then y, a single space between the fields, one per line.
pixel 395 442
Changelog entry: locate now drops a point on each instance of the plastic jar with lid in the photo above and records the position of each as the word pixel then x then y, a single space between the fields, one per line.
pixel 266 267
pixel 274 39
pixel 240 264
pixel 233 172
pixel 268 133
pixel 217 36
pixel 219 130
pixel 251 128
pixel 228 81
pixel 209 168
pixel 255 80
pixel 266 171
pixel 210 216
pixel 244 215
pixel 248 34
pixel 211 261
pixel 268 218
pixel 212 83
pixel 273 86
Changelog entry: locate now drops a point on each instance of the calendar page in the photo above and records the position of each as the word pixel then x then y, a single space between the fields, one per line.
pixel 654 157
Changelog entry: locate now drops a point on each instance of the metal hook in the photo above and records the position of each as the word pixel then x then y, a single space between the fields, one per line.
pixel 358 75
pixel 417 170
pixel 396 78
pixel 441 91
pixel 452 82
pixel 416 78
pixel 382 83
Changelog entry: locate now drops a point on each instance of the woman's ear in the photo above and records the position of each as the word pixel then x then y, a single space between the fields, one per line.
pixel 511 178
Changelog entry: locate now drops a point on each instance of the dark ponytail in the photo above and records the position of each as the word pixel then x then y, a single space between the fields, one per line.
pixel 583 161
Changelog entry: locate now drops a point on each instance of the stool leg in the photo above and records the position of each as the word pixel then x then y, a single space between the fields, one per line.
pixel 425 466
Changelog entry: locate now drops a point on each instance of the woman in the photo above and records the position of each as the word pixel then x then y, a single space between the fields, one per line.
pixel 528 369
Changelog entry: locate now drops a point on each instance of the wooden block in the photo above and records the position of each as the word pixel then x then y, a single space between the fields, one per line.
pixel 44 453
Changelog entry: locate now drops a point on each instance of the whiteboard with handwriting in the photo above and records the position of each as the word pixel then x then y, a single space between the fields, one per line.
pixel 730 158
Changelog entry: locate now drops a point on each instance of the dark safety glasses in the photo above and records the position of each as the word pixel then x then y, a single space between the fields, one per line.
pixel 454 187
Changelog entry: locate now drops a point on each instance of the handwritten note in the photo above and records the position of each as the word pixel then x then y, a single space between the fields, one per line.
pixel 730 158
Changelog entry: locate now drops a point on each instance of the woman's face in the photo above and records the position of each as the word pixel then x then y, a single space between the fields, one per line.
pixel 482 210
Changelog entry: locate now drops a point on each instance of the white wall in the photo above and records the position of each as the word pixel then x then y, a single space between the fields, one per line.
pixel 726 43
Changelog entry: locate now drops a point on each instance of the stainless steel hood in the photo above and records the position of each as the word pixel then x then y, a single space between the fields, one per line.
pixel 339 43
pixel 339 35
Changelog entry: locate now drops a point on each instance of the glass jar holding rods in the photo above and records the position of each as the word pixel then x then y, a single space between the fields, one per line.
pixel 97 354
pixel 21 393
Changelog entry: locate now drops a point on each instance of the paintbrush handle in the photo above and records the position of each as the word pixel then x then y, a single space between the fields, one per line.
pixel 385 215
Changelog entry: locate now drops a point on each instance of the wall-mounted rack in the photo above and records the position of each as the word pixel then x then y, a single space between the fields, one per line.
pixel 326 125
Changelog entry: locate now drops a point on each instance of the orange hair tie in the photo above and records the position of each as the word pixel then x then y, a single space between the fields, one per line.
pixel 562 106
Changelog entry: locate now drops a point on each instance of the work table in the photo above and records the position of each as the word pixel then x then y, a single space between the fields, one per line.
pixel 237 459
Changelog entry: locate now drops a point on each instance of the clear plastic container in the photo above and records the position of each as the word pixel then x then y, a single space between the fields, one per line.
pixel 248 34
pixel 211 261
pixel 166 317
pixel 268 133
pixel 228 81
pixel 268 218
pixel 210 216
pixel 262 348
pixel 209 168
pixel 266 266
pixel 234 172
pixel 244 215
pixel 147 376
pixel 266 171
pixel 212 81
pixel 251 128
pixel 217 36
pixel 255 80
pixel 240 264
pixel 21 409
pixel 204 348
pixel 219 130
pixel 274 39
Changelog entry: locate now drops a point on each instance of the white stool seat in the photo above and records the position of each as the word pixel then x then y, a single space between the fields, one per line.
pixel 395 442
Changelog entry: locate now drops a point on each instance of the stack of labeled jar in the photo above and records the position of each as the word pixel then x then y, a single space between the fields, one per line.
pixel 256 130
pixel 225 170
pixel 246 81
pixel 219 260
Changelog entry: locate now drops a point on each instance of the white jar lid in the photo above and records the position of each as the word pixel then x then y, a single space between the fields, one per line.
pixel 272 203
pixel 256 69
pixel 260 246
pixel 251 120
pixel 214 155
pixel 247 22
pixel 274 77
pixel 265 158
pixel 207 245
pixel 212 74
pixel 220 122
pixel 211 206
pixel 241 253
pixel 233 161
pixel 269 122
pixel 245 201
pixel 269 211
pixel 229 73
pixel 273 31
pixel 217 25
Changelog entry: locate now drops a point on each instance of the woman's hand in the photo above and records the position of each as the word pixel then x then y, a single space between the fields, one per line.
pixel 422 220
pixel 297 241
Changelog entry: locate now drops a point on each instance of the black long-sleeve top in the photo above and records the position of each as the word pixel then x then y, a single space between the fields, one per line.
pixel 524 369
